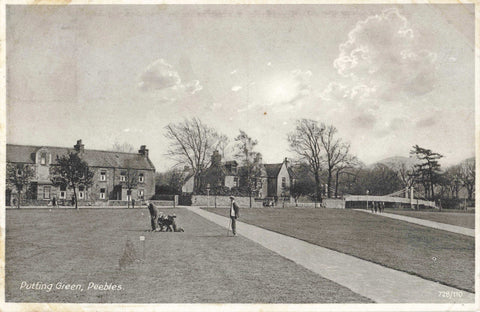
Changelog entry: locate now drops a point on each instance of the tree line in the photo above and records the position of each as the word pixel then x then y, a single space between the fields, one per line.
pixel 324 165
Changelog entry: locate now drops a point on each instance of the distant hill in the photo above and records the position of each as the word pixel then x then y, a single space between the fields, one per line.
pixel 396 161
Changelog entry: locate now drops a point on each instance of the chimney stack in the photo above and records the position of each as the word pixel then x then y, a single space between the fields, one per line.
pixel 79 147
pixel 143 150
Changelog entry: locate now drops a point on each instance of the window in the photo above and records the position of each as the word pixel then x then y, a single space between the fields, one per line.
pixel 63 194
pixel 284 182
pixel 103 176
pixel 102 193
pixel 46 192
pixel 141 178
pixel 123 177
pixel 235 181
pixel 140 193
pixel 81 192
pixel 43 158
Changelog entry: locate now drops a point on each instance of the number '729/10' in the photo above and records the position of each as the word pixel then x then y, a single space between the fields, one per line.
pixel 450 294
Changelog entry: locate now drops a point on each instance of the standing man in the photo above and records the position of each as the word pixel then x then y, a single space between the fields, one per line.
pixel 153 215
pixel 234 214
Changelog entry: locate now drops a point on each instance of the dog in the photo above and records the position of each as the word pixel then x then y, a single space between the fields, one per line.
pixel 168 222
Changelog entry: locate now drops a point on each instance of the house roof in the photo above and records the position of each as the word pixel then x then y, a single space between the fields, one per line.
pixel 273 169
pixel 291 173
pixel 94 158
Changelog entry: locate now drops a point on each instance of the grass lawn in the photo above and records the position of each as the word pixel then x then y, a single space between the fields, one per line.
pixel 433 254
pixel 201 265
pixel 454 218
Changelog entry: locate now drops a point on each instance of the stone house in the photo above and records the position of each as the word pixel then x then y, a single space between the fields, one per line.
pixel 273 180
pixel 110 168
pixel 280 179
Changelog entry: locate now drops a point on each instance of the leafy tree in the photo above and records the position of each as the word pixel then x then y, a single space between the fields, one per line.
pixel 251 161
pixel 71 171
pixel 427 172
pixel 302 187
pixel 306 142
pixel 191 143
pixel 173 179
pixel 215 175
pixel 19 177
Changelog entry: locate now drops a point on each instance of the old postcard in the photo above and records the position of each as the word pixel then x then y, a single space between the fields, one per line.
pixel 259 157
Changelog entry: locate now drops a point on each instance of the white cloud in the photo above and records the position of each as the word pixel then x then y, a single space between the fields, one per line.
pixel 233 72
pixel 269 64
pixel 161 76
pixel 193 87
pixel 289 88
pixel 236 88
pixel 384 52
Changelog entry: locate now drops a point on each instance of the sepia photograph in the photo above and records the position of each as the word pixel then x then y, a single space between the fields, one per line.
pixel 263 154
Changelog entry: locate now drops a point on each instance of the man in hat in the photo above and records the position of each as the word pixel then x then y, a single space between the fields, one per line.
pixel 153 215
pixel 234 214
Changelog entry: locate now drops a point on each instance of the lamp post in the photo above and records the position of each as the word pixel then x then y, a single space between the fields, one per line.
pixel 367 198
pixel 208 195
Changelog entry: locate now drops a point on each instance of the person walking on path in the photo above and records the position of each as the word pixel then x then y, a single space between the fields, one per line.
pixel 153 215
pixel 234 214
pixel 133 203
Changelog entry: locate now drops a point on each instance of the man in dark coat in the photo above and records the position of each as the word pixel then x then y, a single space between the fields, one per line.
pixel 153 215
pixel 234 214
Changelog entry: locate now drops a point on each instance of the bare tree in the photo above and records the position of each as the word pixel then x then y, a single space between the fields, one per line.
pixel 404 171
pixel 222 145
pixel 467 175
pixel 305 141
pixel 191 143
pixel 345 166
pixel 18 178
pixel 71 171
pixel 123 147
pixel 251 162
pixel 130 181
pixel 336 153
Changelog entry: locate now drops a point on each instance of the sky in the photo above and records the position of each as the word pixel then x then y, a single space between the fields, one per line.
pixel 386 76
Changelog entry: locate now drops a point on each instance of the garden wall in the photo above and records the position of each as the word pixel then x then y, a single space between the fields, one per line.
pixel 224 201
